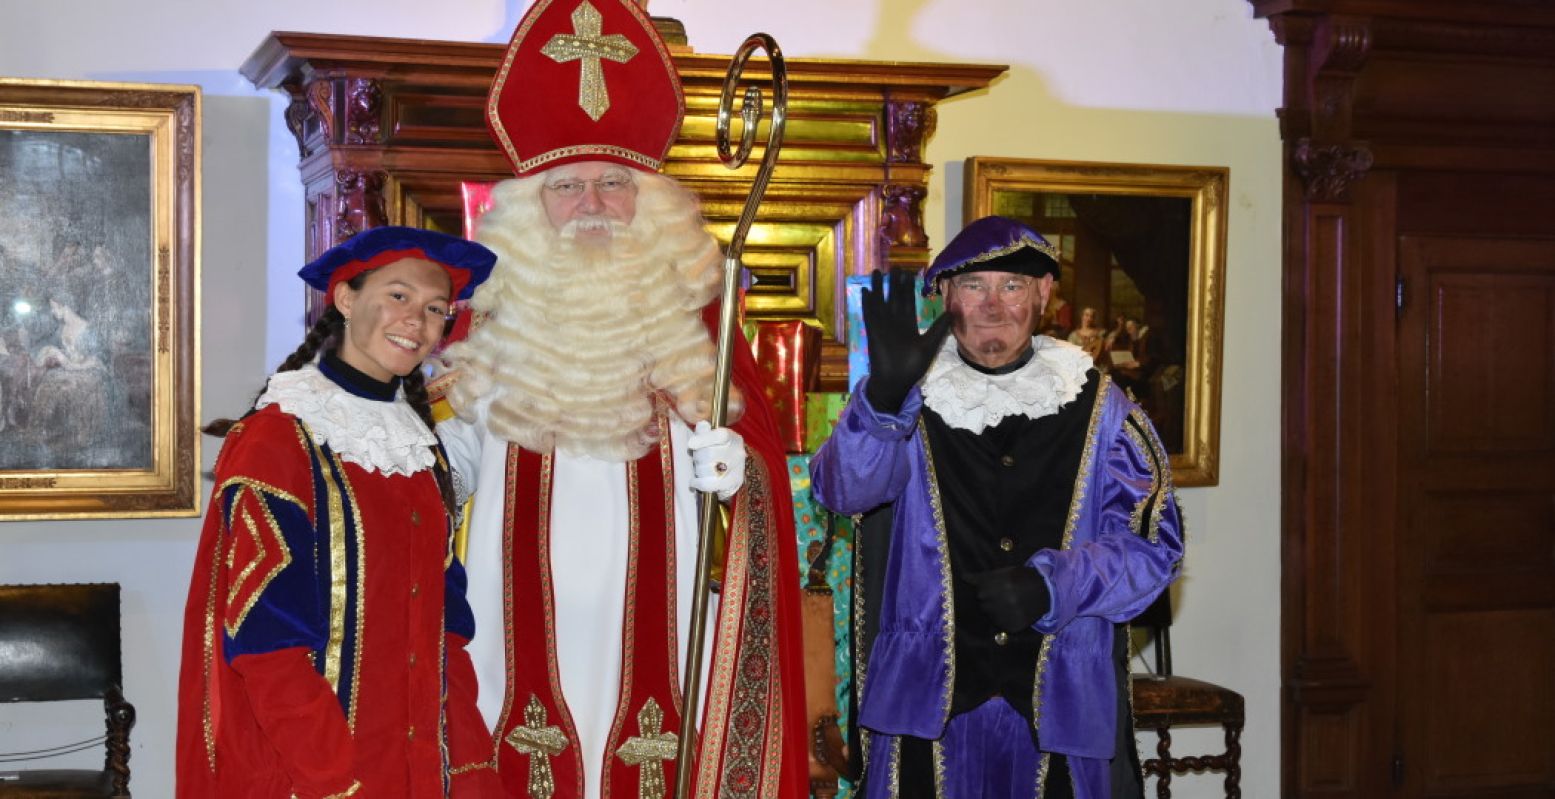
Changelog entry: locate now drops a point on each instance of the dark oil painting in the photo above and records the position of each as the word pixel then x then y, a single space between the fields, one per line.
pixel 76 273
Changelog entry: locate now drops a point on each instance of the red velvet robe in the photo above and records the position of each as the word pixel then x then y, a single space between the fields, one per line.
pixel 325 621
pixel 754 741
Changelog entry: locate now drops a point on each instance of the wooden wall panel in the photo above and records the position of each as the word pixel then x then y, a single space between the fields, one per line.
pixel 1418 437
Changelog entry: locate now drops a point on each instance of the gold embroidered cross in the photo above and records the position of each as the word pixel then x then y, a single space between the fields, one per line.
pixel 586 45
pixel 540 742
pixel 648 750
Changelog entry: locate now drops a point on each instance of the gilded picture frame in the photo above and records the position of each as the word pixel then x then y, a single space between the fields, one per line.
pixel 1143 255
pixel 99 299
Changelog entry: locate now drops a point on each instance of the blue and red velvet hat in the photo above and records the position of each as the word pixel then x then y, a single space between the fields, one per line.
pixel 468 264
pixel 993 244
pixel 585 80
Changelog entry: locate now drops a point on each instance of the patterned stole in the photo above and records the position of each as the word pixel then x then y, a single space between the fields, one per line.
pixel 536 735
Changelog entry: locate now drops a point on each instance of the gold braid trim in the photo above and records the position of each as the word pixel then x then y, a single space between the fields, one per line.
pixel 1075 503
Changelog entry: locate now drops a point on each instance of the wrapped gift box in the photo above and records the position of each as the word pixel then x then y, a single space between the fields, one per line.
pixel 788 354
pixel 822 410
pixel 477 201
pixel 810 521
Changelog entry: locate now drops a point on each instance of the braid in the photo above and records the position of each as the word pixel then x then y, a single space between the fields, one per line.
pixel 326 329
pixel 415 385
pixel 330 323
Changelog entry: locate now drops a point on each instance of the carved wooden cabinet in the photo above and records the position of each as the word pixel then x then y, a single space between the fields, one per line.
pixel 387 129
pixel 1418 627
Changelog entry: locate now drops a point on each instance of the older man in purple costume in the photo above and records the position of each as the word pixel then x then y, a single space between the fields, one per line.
pixel 1031 515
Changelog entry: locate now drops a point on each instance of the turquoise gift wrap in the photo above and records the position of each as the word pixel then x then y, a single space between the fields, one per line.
pixel 929 309
pixel 810 521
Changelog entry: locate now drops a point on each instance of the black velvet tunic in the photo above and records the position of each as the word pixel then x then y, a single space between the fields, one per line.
pixel 1005 493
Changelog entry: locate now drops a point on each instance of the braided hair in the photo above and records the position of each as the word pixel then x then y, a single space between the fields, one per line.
pixel 325 334
pixel 326 331
pixel 415 385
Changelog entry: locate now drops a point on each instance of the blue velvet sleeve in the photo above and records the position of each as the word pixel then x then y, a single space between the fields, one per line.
pixel 273 598
pixel 864 464
pixel 1134 545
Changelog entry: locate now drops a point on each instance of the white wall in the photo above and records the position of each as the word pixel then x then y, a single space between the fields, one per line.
pixel 1190 82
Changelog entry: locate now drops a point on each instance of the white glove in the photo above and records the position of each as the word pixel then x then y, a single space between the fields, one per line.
pixel 717 460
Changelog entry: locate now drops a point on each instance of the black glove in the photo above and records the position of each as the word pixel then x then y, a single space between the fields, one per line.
pixel 898 354
pixel 1013 598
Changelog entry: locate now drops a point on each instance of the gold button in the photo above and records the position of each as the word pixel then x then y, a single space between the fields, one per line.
pixel 412 735
pixel 415 517
pixel 1008 460
pixel 415 589
pixel 413 658
pixel 1006 544
pixel 1001 638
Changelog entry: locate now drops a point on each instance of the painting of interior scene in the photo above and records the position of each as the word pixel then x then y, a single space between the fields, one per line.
pixel 75 282
pixel 1123 295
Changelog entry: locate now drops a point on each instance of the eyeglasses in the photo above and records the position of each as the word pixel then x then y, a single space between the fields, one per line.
pixel 609 184
pixel 1014 291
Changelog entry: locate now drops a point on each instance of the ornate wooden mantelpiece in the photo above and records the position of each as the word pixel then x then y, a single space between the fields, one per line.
pixel 387 129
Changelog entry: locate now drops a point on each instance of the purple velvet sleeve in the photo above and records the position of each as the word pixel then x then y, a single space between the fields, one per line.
pixel 1135 545
pixel 864 464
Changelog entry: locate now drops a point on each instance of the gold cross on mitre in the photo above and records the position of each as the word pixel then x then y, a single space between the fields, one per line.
pixel 540 742
pixel 648 750
pixel 585 44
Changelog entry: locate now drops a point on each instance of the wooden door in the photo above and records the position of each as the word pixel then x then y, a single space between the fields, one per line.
pixel 1476 502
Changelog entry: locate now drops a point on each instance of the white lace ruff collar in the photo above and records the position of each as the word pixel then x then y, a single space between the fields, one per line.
pixel 970 400
pixel 386 437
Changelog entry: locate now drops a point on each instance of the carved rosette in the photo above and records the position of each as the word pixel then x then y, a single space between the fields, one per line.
pixel 901 215
pixel 364 104
pixel 359 203
pixel 1328 170
pixel 908 124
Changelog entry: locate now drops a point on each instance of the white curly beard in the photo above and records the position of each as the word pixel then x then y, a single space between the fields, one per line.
pixel 579 339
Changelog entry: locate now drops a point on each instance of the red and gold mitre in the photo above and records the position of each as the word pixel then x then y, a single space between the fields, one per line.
pixel 585 80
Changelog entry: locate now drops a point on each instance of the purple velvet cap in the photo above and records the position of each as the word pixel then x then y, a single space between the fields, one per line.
pixel 993 243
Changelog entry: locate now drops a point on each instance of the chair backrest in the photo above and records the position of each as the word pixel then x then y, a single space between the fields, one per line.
pixel 59 642
pixel 1158 619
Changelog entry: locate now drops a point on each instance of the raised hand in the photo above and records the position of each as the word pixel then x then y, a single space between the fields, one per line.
pixel 898 354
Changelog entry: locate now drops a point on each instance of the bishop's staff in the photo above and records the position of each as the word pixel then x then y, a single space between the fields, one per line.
pixel 750 115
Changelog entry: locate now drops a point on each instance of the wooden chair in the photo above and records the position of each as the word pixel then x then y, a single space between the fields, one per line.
pixel 1164 700
pixel 61 642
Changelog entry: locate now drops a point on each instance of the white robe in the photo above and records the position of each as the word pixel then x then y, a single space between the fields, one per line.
pixel 588 562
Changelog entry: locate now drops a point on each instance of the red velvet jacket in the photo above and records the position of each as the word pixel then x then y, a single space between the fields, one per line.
pixel 324 635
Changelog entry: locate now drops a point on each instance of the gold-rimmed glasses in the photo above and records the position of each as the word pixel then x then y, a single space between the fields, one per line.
pixel 609 184
pixel 978 288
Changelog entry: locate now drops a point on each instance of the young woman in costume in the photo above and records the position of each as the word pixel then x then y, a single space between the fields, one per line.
pixel 324 638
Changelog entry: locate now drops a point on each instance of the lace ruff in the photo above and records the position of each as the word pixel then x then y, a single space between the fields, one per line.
pixel 970 400
pixel 385 437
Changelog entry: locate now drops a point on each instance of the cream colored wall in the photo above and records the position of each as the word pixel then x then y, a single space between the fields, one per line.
pixel 1190 82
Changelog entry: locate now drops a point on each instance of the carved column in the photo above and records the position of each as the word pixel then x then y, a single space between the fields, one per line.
pixel 1329 673
pixel 908 125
